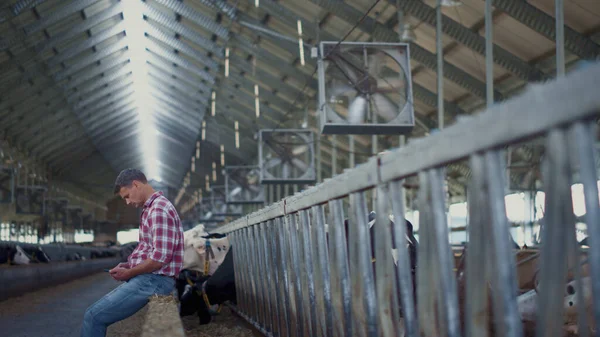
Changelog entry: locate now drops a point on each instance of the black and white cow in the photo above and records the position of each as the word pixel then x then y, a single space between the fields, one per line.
pixel 411 241
pixel 218 287
pixel 17 255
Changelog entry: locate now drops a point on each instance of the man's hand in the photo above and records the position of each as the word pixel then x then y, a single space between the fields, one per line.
pixel 123 265
pixel 120 274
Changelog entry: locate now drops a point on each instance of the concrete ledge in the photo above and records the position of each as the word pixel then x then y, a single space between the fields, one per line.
pixel 162 318
pixel 17 280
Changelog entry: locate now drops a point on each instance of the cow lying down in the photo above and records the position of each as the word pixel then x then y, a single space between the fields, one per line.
pixel 17 255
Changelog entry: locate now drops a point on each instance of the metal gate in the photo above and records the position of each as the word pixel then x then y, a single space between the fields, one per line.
pixel 294 279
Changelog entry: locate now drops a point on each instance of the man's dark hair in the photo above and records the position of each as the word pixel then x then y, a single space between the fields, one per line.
pixel 126 178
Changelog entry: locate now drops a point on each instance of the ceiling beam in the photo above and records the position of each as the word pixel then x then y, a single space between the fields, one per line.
pixel 544 24
pixel 471 39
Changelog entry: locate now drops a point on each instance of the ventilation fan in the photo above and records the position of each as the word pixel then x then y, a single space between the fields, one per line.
pixel 365 88
pixel 56 209
pixel 287 156
pixel 205 213
pixel 30 200
pixel 219 203
pixel 242 185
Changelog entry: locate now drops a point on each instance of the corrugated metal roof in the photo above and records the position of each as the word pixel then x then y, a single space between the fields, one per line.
pixel 68 92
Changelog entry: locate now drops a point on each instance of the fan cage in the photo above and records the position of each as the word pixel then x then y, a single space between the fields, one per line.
pixel 231 184
pixel 331 122
pixel 308 176
pixel 218 202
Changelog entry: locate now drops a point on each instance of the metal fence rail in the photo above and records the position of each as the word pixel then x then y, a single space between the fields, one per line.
pixel 295 279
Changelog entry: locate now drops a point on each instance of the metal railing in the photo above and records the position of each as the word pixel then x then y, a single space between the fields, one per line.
pixel 294 279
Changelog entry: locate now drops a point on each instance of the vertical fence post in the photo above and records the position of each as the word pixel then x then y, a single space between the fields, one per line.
pixel 477 272
pixel 308 264
pixel 295 256
pixel 270 321
pixel 322 274
pixel 366 310
pixel 502 266
pixel 403 270
pixel 385 278
pixel 283 279
pixel 584 137
pixel 340 275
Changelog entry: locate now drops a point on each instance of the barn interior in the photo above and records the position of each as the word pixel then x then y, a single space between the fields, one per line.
pixel 231 106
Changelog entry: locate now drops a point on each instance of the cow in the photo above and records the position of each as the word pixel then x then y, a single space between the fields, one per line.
pixel 37 255
pixel 527 301
pixel 218 289
pixel 195 248
pixel 200 292
pixel 17 255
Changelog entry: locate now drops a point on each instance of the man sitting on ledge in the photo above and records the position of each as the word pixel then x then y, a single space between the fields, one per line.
pixel 154 264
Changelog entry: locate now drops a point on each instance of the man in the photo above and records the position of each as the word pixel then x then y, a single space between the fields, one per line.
pixel 154 264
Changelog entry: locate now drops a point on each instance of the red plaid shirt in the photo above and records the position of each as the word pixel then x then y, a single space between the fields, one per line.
pixel 161 236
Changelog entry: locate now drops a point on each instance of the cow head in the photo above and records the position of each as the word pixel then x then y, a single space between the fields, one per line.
pixel 195 242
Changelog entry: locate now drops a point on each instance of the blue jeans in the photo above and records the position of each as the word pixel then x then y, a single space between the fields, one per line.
pixel 124 301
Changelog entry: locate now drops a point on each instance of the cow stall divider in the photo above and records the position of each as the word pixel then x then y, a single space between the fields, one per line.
pixel 295 279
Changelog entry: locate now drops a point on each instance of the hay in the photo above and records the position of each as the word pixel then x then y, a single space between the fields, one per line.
pixel 226 324
pixel 129 327
pixel 162 318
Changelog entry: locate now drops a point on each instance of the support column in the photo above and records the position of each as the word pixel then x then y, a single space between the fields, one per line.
pixel 489 54
pixel 374 149
pixel 440 65
pixel 333 156
pixel 319 164
pixel 401 143
pixel 352 161
pixel 440 92
pixel 560 37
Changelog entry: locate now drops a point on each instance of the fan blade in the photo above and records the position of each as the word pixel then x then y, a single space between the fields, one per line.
pixel 391 84
pixel 285 170
pixel 272 163
pixel 348 70
pixel 384 107
pixel 299 149
pixel 235 191
pixel 254 188
pixel 375 63
pixel 337 88
pixel 357 110
pixel 299 164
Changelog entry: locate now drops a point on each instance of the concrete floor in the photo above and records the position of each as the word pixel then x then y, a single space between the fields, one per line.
pixel 53 312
